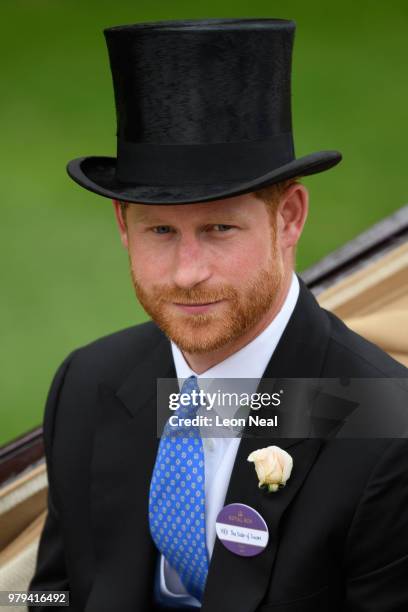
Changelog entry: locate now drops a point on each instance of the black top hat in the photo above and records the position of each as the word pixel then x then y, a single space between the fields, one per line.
pixel 203 112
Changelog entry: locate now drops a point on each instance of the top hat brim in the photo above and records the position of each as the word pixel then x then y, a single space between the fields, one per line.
pixel 98 174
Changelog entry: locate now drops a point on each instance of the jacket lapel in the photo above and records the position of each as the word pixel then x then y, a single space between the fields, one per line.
pixel 246 579
pixel 299 354
pixel 124 453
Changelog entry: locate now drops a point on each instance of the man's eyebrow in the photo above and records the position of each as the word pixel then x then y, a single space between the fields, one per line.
pixel 146 218
pixel 217 216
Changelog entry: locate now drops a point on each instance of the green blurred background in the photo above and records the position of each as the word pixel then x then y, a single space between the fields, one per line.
pixel 64 272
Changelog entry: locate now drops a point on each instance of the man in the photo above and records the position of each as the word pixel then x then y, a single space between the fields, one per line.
pixel 208 206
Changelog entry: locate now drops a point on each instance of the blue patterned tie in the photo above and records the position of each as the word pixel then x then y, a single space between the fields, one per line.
pixel 177 498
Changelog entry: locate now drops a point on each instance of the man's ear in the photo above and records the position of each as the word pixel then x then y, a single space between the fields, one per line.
pixel 121 222
pixel 292 214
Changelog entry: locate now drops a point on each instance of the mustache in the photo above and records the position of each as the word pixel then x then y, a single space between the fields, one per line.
pixel 194 295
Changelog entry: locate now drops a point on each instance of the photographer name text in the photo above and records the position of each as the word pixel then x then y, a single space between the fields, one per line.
pixel 218 421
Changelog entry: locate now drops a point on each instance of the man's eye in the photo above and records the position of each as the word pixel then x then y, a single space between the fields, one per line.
pixel 222 227
pixel 158 229
pixel 165 229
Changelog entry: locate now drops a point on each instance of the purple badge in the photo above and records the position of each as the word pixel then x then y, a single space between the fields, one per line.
pixel 242 530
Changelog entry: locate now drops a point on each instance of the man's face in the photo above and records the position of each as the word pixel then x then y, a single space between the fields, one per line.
pixel 206 273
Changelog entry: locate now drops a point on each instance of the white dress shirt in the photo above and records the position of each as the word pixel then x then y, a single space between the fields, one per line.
pixel 219 452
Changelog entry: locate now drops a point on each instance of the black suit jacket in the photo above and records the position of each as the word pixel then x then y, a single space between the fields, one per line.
pixel 338 530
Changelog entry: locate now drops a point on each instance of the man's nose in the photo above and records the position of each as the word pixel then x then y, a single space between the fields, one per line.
pixel 191 263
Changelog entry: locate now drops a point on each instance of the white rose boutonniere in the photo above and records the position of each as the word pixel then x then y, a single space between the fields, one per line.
pixel 273 466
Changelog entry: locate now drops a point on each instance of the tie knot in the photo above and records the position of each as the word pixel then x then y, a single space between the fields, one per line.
pixel 190 384
pixel 189 405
